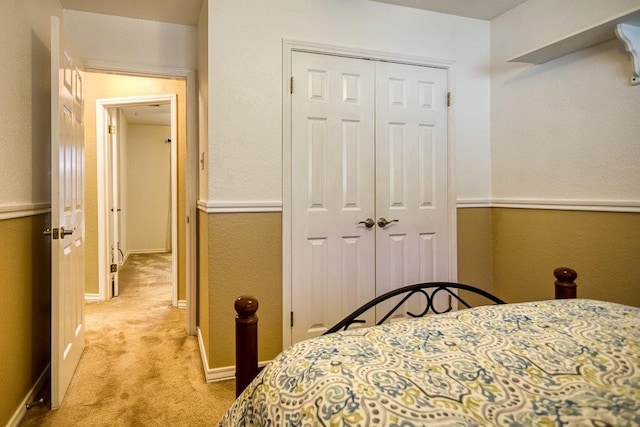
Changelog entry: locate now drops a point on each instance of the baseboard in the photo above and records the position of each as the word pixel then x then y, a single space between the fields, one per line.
pixel 224 373
pixel 21 412
pixel 148 251
pixel 182 303
pixel 92 297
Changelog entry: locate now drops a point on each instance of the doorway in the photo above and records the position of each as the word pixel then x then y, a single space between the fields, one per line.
pixel 116 82
pixel 137 137
pixel 368 204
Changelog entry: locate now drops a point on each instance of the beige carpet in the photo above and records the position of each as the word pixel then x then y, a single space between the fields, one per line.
pixel 139 367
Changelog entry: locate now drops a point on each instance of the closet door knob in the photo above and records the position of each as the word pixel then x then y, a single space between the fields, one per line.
pixel 382 222
pixel 369 222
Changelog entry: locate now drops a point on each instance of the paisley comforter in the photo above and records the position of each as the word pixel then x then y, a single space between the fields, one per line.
pixel 561 362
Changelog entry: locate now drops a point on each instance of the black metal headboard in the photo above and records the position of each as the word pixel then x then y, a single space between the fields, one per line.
pixel 428 290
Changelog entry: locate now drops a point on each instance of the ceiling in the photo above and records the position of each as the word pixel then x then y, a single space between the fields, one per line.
pixel 156 114
pixel 480 9
pixel 186 12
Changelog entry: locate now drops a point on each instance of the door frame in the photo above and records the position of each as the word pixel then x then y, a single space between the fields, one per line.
pixel 290 46
pixel 102 106
pixel 189 75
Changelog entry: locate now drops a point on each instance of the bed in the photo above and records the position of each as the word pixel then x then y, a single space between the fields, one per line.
pixel 558 362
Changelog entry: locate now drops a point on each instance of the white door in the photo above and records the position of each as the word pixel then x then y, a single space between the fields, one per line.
pixel 67 213
pixel 332 191
pixel 369 141
pixel 113 190
pixel 411 180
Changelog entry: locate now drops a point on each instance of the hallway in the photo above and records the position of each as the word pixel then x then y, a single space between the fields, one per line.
pixel 139 367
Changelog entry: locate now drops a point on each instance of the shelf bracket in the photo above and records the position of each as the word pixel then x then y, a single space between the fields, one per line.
pixel 630 35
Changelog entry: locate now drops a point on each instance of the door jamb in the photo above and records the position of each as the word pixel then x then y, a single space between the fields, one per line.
pixel 101 149
pixel 290 46
pixel 189 75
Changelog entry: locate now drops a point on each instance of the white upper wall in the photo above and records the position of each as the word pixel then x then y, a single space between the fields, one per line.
pixel 245 82
pixel 566 129
pixel 129 41
pixel 25 105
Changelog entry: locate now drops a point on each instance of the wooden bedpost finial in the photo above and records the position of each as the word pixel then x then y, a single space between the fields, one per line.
pixel 246 341
pixel 565 282
pixel 246 307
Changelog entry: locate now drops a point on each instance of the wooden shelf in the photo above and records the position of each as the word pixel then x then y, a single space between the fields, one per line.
pixel 574 42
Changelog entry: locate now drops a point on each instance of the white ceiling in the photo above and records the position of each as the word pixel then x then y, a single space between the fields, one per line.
pixel 183 12
pixel 156 114
pixel 186 12
pixel 480 9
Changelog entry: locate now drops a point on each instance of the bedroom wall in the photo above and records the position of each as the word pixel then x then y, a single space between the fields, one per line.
pixel 148 189
pixel 564 138
pixel 244 148
pixel 100 86
pixel 25 254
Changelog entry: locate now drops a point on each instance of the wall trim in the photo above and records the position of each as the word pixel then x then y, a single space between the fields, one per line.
pixel 632 206
pixel 224 373
pixel 182 303
pixel 473 203
pixel 21 412
pixel 552 204
pixel 235 206
pixel 21 211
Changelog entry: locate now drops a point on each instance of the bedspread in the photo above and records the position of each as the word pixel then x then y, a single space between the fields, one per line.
pixel 560 362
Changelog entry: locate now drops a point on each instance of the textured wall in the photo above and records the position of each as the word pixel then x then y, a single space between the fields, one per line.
pixel 245 82
pixel 148 188
pixel 567 129
pixel 25 129
pixel 25 298
pixel 475 251
pixel 245 258
pixel 132 41
pixel 603 247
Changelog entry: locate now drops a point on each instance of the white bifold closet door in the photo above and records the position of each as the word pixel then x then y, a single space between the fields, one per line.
pixel 369 141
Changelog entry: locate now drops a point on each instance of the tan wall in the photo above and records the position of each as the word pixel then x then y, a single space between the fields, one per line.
pixel 202 315
pixel 603 247
pixel 475 251
pixel 25 298
pixel 98 86
pixel 245 258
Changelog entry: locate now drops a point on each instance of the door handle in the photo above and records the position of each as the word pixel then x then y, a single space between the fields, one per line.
pixel 64 232
pixel 369 222
pixel 382 222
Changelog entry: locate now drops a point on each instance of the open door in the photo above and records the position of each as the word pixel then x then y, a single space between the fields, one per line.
pixel 113 191
pixel 67 213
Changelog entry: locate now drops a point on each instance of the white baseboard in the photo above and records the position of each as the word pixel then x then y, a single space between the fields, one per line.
pixel 92 297
pixel 148 251
pixel 182 303
pixel 21 412
pixel 213 375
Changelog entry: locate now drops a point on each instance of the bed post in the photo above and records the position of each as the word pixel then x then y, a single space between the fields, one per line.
pixel 246 341
pixel 566 287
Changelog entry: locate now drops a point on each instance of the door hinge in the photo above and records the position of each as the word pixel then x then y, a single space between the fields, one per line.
pixel 114 268
pixel 448 99
pixel 291 85
pixel 111 129
pixel 292 319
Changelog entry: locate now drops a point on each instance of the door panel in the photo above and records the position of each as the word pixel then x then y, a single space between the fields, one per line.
pixel 369 140
pixel 411 177
pixel 67 214
pixel 332 191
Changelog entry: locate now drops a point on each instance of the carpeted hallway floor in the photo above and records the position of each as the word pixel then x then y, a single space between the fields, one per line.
pixel 139 367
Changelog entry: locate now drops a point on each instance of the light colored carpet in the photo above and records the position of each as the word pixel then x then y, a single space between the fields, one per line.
pixel 139 367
